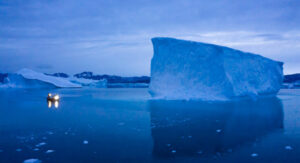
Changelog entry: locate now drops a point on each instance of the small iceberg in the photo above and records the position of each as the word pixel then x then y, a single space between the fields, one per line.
pixel 41 144
pixel 288 147
pixel 49 151
pixel 32 160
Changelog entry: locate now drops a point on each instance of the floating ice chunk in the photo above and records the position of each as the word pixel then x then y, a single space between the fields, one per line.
pixel 85 142
pixel 41 144
pixel 49 151
pixel 193 70
pixel 32 160
pixel 218 130
pixel 288 147
pixel 173 151
pixel 254 155
pixel 19 150
pixel 50 133
pixel 36 149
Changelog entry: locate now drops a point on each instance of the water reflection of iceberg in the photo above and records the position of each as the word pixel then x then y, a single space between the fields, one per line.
pixel 191 127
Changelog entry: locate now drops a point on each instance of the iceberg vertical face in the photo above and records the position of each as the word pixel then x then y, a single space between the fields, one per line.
pixel 192 70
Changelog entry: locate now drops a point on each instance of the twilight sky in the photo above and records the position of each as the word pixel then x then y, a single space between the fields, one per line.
pixel 113 36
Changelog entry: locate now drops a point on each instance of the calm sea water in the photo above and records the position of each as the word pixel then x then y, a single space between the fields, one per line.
pixel 124 125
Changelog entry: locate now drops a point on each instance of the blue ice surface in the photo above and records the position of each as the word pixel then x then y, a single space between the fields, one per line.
pixel 126 125
pixel 183 69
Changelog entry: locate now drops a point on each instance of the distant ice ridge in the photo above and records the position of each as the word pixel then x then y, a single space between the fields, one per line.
pixel 26 78
pixel 56 81
pixel 291 81
pixel 192 70
pixel 294 85
pixel 88 82
pixel 18 81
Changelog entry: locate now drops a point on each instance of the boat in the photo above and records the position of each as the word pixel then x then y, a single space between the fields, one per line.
pixel 52 98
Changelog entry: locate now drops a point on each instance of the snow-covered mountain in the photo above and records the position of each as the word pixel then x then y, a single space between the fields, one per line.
pixel 292 78
pixel 2 77
pixel 59 74
pixel 113 78
pixel 114 81
pixel 291 81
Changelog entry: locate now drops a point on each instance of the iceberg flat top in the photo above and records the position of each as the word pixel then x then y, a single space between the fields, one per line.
pixel 192 70
pixel 57 81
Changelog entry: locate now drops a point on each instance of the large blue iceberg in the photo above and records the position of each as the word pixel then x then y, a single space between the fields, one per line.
pixel 192 70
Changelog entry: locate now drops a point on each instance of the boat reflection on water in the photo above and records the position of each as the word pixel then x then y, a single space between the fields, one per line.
pixel 187 128
pixel 50 103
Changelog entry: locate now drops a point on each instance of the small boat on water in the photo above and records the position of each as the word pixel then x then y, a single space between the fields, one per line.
pixel 53 98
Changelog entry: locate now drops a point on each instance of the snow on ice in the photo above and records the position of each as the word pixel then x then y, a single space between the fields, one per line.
pixel 56 81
